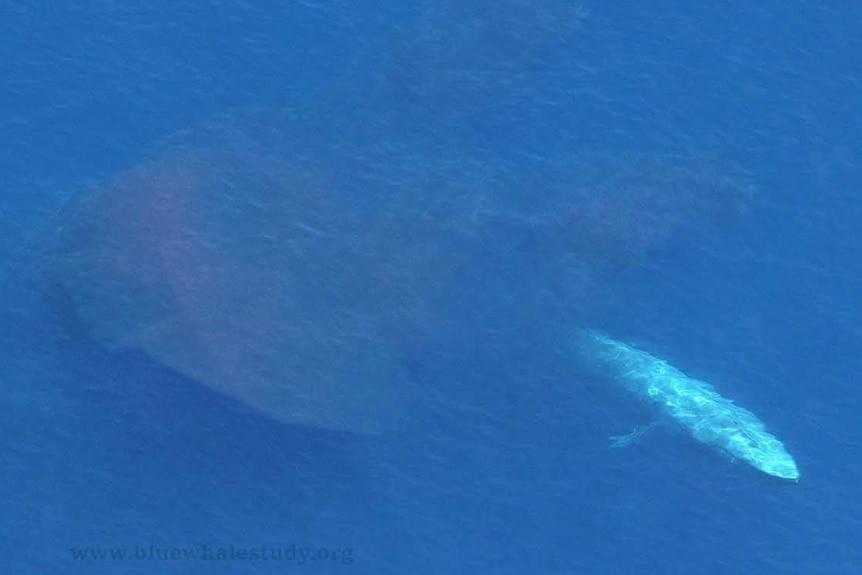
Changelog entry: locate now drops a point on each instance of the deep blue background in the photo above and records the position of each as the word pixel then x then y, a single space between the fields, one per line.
pixel 767 309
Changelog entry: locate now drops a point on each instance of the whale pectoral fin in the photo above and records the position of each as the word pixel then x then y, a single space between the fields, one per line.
pixel 628 438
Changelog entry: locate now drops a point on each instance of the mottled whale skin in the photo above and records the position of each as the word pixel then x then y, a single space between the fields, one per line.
pixel 712 419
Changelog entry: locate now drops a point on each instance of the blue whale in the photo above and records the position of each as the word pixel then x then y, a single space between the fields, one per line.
pixel 710 418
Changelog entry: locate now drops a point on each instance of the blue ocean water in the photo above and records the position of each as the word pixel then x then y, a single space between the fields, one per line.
pixel 635 114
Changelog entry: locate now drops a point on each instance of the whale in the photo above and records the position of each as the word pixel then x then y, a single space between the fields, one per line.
pixel 706 415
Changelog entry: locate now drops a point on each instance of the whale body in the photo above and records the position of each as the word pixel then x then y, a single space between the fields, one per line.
pixel 710 418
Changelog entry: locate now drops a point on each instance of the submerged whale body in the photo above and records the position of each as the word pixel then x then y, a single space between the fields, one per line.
pixel 710 418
